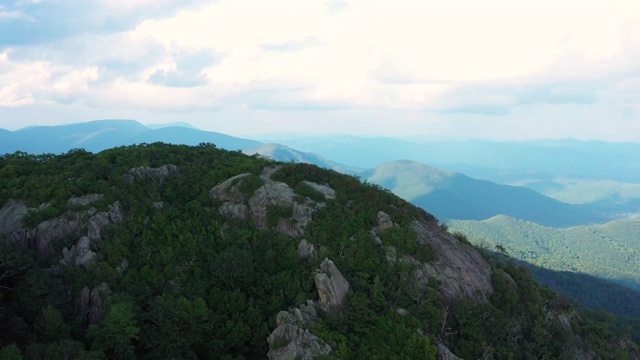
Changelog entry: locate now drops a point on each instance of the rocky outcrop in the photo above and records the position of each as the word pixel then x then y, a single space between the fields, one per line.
pixel 326 190
pixel 459 268
pixel 84 200
pixel 331 285
pixel 445 354
pixel 238 205
pixel 40 239
pixel 157 175
pixel 290 341
pixel 229 190
pixel 384 220
pixel 11 215
pixel 306 250
pixel 233 210
pixel 272 193
pixel 89 305
pixel 80 253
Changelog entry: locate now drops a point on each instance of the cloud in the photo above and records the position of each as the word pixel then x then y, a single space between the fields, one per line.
pixel 292 45
pixel 187 70
pixel 35 22
pixel 437 60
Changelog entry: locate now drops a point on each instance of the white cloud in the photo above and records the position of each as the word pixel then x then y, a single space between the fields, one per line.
pixel 455 58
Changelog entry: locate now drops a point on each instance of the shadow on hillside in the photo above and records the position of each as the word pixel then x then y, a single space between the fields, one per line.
pixel 591 292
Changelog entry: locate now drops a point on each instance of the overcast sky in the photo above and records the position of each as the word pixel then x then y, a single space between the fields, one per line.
pixel 506 70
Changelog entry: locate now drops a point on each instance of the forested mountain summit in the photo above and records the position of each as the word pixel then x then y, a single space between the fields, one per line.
pixel 192 252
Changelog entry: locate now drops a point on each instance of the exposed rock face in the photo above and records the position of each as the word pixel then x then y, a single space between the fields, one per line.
pixel 445 354
pixel 325 190
pixel 331 285
pixel 461 270
pixel 157 175
pixel 289 341
pixel 384 220
pixel 89 304
pixel 306 250
pixel 81 252
pixel 11 216
pixel 229 190
pixel 233 210
pixel 83 200
pixel 71 223
pixel 272 193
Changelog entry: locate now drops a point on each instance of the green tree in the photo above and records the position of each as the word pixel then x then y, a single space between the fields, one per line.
pixel 117 333
pixel 50 326
pixel 11 352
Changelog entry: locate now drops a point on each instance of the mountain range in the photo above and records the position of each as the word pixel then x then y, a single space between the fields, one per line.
pixel 158 251
pixel 449 195
pixel 104 134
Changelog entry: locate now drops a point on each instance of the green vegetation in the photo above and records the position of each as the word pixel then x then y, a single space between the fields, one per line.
pixel 200 285
pixel 610 251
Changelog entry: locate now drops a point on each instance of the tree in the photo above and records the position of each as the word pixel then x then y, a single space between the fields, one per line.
pixel 118 331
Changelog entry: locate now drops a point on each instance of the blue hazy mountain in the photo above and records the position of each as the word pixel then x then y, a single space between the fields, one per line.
pixel 502 162
pixel 188 136
pixel 286 154
pixel 103 134
pixel 176 123
pixel 452 195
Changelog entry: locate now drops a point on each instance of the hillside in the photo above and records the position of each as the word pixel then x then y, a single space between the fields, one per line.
pixel 161 251
pixel 452 195
pixel 610 251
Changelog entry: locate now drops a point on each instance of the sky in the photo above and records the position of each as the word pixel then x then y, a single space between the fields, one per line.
pixel 498 70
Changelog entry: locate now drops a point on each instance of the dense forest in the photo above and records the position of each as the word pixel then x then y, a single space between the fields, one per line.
pixel 610 251
pixel 159 251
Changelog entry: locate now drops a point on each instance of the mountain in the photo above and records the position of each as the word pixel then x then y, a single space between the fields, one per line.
pixel 610 251
pixel 104 134
pixel 93 136
pixel 452 195
pixel 173 124
pixel 502 162
pixel 159 251
pixel 286 154
pixel 185 136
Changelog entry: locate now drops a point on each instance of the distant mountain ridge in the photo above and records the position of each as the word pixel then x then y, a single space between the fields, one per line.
pixel 452 195
pixel 284 153
pixel 502 162
pixel 104 134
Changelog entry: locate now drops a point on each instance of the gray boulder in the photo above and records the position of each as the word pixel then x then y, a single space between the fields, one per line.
pixel 89 304
pixel 445 354
pixel 331 285
pixel 384 220
pixel 289 341
pixel 306 250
